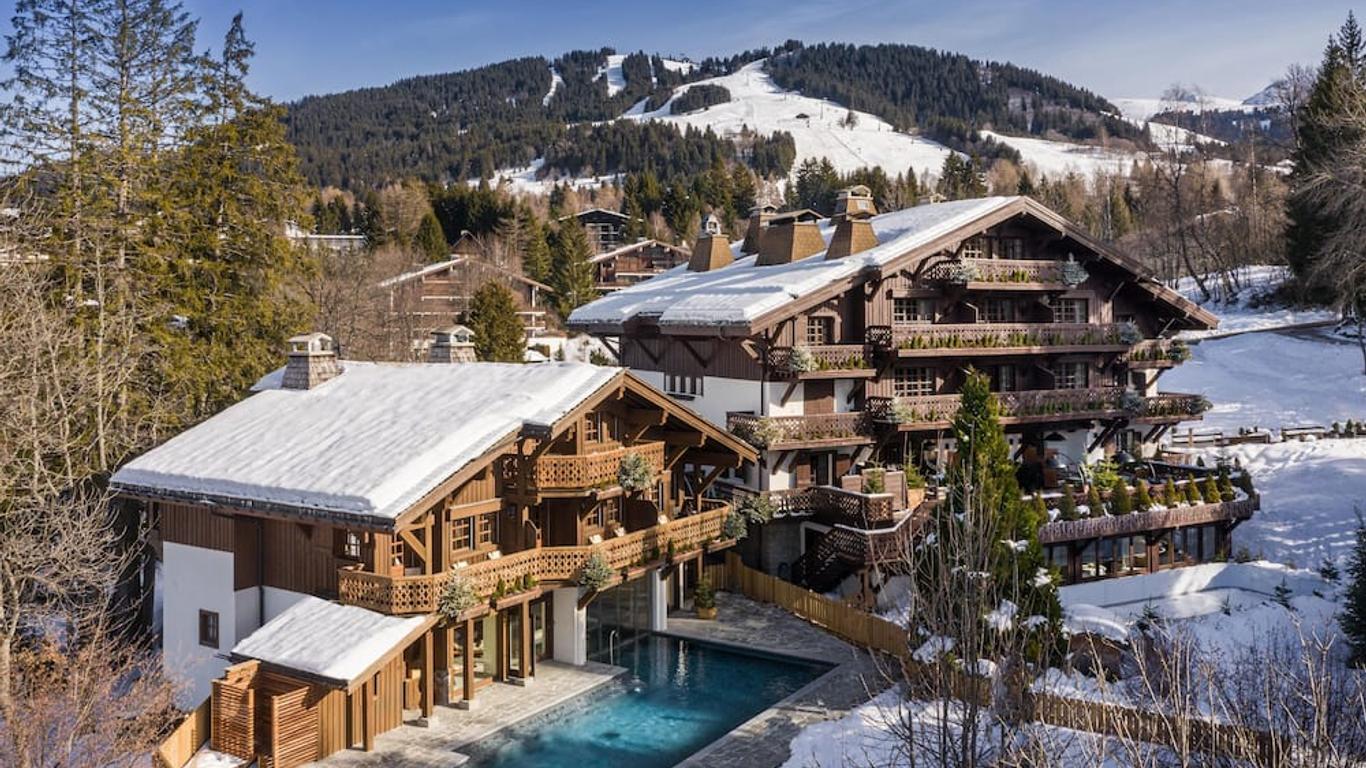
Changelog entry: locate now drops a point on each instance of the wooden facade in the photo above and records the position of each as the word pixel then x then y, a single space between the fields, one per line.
pixel 439 295
pixel 866 370
pixel 521 520
pixel 634 262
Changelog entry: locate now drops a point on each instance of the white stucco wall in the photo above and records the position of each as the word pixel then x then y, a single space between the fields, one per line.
pixel 194 579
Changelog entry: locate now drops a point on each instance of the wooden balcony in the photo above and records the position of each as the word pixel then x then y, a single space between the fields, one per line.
pixel 1143 522
pixel 1003 274
pixel 578 472
pixel 1043 405
pixel 823 430
pixel 984 339
pixel 825 361
pixel 835 505
pixel 549 566
pixel 1158 354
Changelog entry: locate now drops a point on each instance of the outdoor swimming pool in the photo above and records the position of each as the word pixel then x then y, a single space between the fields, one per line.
pixel 678 697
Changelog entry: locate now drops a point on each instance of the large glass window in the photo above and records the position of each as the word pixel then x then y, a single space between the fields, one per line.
pixel 1070 376
pixel 1000 310
pixel 1209 538
pixel 1072 311
pixel 913 382
pixel 912 311
pixel 1005 378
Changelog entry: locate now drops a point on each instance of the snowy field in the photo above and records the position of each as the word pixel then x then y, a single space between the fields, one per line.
pixel 815 124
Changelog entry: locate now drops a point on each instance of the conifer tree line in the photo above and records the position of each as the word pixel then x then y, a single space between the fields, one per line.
pixel 148 284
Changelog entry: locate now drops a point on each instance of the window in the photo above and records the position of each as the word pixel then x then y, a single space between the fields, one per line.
pixel 820 330
pixel 1009 248
pixel 1070 376
pixel 348 545
pixel 1004 378
pixel 910 382
pixel 1071 311
pixel 972 248
pixel 462 534
pixel 1000 310
pixel 607 515
pixel 208 629
pixel 680 385
pixel 908 311
pixel 591 431
pixel 487 531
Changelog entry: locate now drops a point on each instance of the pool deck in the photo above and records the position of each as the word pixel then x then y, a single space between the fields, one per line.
pixel 764 741
pixel 497 706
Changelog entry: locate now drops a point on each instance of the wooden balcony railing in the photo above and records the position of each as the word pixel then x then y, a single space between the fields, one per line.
pixel 547 565
pixel 1005 273
pixel 815 430
pixel 1173 406
pixel 835 504
pixel 595 469
pixel 1141 522
pixel 1158 353
pixel 878 546
pixel 819 361
pixel 1003 338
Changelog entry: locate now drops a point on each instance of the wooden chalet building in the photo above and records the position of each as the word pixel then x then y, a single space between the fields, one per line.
pixel 439 295
pixel 627 265
pixel 606 229
pixel 309 533
pixel 839 346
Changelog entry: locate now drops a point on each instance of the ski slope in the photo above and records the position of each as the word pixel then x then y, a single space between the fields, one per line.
pixel 817 126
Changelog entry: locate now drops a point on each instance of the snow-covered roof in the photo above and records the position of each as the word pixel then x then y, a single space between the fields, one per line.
pixel 370 442
pixel 637 245
pixel 739 292
pixel 454 261
pixel 327 639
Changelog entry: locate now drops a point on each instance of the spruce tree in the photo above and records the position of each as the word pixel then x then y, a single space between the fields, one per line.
pixel 498 333
pixel 1067 506
pixel 1121 503
pixel 1354 612
pixel 571 273
pixel 430 240
pixel 1095 505
pixel 536 257
pixel 1143 498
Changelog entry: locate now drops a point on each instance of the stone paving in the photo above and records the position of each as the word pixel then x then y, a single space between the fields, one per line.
pixel 497 706
pixel 764 740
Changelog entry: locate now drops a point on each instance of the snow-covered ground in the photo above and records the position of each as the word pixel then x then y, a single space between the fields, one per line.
pixel 616 78
pixel 1310 491
pixel 1142 109
pixel 1056 158
pixel 555 82
pixel 816 125
pixel 1244 307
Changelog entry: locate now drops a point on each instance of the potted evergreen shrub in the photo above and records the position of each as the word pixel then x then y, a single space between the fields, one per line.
pixel 457 598
pixel 1067 505
pixel 597 573
pixel 915 486
pixel 801 360
pixel 704 599
pixel 635 473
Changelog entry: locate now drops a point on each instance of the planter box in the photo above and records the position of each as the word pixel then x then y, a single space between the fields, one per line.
pixel 706 614
pixel 507 601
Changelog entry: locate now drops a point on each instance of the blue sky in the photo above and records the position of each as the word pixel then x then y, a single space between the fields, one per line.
pixel 1230 47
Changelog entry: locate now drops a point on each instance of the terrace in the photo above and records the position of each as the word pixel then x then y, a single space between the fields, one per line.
pixel 982 339
pixel 823 430
pixel 929 412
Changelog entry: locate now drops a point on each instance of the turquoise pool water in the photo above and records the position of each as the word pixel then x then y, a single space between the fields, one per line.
pixel 678 697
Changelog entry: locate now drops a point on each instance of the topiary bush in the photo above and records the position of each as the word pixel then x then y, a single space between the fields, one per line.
pixel 1143 499
pixel 635 473
pixel 1121 503
pixel 1067 506
pixel 1170 497
pixel 1093 500
pixel 597 572
pixel 1192 490
pixel 457 597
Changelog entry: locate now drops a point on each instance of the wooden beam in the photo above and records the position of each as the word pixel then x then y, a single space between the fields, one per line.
pixel 713 459
pixel 672 455
pixel 417 546
pixel 690 439
pixel 528 661
pixel 467 663
pixel 367 703
pixel 787 393
pixel 428 675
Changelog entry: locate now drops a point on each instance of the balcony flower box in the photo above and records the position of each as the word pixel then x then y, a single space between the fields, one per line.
pixel 516 598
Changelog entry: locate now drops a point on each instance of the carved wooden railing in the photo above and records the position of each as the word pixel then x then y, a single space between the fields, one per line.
pixel 795 431
pixel 1158 353
pixel 910 339
pixel 879 546
pixel 836 504
pixel 584 470
pixel 1141 522
pixel 1016 407
pixel 1008 271
pixel 814 360
pixel 552 565
pixel 1174 405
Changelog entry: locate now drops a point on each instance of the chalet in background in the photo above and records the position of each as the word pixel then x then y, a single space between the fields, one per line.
pixel 606 229
pixel 630 264
pixel 309 533
pixel 839 347
pixel 439 295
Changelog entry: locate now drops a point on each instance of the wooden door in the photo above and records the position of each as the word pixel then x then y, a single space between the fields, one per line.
pixel 820 397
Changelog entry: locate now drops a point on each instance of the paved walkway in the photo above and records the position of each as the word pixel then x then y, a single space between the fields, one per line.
pixel 764 740
pixel 497 706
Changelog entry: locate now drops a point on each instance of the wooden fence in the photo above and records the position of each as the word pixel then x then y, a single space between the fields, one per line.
pixel 868 631
pixel 186 739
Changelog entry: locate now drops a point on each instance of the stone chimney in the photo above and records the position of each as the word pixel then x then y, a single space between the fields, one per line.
pixel 312 361
pixel 759 217
pixel 712 249
pixel 454 344
pixel 790 237
pixel 854 210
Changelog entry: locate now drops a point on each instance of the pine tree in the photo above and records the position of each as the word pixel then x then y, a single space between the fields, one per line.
pixel 571 272
pixel 1067 505
pixel 536 257
pixel 1354 612
pixel 498 333
pixel 1281 595
pixel 430 240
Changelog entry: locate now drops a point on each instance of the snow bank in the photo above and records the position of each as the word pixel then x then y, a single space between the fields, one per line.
pixel 372 441
pixel 1133 592
pixel 339 642
pixel 1084 619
